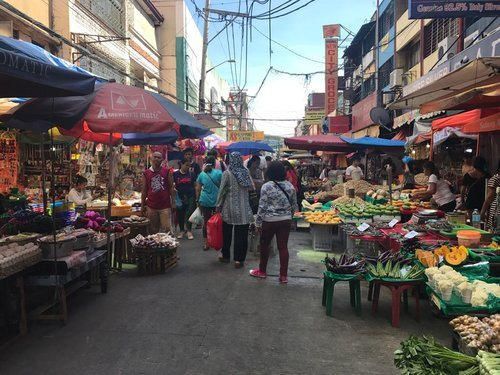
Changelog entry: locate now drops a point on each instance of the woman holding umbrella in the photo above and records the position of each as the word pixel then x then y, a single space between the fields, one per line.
pixel 233 202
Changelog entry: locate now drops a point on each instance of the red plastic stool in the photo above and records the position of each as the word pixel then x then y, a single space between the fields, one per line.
pixel 397 289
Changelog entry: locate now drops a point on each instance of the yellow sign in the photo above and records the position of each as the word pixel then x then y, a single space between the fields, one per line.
pixel 314 117
pixel 238 136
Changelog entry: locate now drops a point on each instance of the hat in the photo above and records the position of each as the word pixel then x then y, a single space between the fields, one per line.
pixel 480 164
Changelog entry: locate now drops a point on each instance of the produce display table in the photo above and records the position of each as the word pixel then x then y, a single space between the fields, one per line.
pixel 397 288
pixel 66 282
pixel 455 306
pixel 395 244
pixel 329 281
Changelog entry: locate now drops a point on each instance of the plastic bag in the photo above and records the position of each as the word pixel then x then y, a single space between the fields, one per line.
pixel 214 232
pixel 196 218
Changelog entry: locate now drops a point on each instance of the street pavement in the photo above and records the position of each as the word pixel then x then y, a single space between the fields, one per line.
pixel 205 317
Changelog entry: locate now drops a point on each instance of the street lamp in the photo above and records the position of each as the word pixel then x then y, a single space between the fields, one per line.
pixel 216 66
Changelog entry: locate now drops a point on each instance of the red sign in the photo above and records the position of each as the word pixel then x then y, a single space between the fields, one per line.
pixel 331 75
pixel 339 124
pixel 331 31
pixel 361 112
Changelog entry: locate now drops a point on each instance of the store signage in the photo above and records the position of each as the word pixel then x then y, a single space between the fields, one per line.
pixel 331 31
pixel 331 75
pixel 487 47
pixel 238 136
pixel 361 112
pixel 314 116
pixel 452 9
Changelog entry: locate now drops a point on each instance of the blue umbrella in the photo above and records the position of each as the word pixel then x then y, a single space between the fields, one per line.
pixel 27 70
pixel 135 139
pixel 249 147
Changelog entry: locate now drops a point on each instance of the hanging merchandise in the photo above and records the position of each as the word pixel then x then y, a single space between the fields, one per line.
pixel 8 160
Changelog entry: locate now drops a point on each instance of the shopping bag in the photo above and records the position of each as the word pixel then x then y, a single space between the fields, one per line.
pixel 214 232
pixel 196 218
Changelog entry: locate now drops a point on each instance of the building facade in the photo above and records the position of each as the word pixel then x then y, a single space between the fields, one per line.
pixel 181 42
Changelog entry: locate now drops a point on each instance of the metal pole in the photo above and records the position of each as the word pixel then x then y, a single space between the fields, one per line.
pixel 377 41
pixel 201 92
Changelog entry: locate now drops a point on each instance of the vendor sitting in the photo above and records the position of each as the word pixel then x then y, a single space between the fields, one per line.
pixel 78 194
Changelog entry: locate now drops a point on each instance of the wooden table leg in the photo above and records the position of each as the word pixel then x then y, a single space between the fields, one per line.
pixel 63 302
pixel 103 275
pixel 23 318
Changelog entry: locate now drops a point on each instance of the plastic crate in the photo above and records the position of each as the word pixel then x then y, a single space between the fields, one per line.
pixel 322 237
pixel 358 245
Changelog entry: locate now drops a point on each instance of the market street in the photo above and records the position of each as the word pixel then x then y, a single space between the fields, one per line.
pixel 203 317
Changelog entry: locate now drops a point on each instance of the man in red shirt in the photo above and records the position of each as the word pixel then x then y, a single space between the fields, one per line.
pixel 158 195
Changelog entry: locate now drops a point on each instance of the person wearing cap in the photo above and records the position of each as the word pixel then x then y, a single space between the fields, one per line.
pixel 474 185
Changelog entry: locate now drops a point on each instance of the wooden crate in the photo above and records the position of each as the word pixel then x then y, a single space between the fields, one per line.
pixel 151 261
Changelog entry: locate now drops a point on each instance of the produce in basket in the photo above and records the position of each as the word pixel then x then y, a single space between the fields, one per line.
pixel 344 265
pixel 479 334
pixel 158 240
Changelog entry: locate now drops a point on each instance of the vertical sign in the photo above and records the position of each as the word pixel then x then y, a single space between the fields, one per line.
pixel 331 75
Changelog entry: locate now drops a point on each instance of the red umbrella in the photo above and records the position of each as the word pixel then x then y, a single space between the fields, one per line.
pixel 83 131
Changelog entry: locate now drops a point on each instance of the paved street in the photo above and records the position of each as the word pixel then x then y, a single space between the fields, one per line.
pixel 204 317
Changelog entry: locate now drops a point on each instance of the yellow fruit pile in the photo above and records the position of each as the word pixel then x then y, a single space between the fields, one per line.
pixel 322 217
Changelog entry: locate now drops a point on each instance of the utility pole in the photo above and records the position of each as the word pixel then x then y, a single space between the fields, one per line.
pixel 201 92
pixel 206 41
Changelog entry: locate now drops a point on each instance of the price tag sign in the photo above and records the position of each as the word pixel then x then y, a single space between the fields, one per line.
pixel 393 222
pixel 411 234
pixel 363 227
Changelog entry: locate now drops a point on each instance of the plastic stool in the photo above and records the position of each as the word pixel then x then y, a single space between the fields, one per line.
pixel 329 281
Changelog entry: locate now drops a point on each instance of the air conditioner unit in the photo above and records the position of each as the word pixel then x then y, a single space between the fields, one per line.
pixel 396 78
pixel 447 48
pixel 7 28
pixel 468 39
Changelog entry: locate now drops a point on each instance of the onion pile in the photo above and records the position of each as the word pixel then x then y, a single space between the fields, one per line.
pixel 158 240
pixel 479 334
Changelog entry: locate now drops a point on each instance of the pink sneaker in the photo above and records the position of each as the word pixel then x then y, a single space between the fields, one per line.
pixel 258 273
pixel 283 280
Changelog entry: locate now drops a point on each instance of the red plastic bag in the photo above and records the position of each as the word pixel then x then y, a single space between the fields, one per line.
pixel 214 232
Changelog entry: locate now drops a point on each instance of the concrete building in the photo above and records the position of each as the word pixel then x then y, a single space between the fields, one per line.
pixel 180 44
pixel 52 14
pixel 121 32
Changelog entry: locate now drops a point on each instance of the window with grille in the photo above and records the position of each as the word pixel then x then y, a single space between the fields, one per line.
pixel 110 12
pixel 411 55
pixel 384 73
pixel 436 31
pixel 386 20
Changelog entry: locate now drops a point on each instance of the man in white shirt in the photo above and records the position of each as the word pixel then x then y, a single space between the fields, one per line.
pixel 354 169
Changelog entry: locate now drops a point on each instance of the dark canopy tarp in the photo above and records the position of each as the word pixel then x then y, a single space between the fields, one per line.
pixel 27 70
pixel 320 142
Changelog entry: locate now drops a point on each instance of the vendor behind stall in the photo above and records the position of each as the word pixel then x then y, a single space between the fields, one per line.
pixel 354 171
pixel 408 174
pixel 79 194
pixel 474 186
pixel 438 189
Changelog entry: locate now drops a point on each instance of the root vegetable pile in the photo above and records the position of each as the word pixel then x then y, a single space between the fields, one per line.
pixel 479 334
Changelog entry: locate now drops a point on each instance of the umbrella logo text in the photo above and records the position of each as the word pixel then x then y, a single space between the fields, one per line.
pixel 120 102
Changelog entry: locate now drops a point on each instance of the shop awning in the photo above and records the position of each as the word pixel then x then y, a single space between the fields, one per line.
pixel 208 120
pixel 373 142
pixel 478 77
pixel 320 142
pixel 27 70
pixel 486 124
pixel 461 119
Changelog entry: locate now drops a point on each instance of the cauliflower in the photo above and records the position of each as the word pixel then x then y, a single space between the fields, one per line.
pixel 457 278
pixel 431 272
pixel 479 297
pixel 444 285
pixel 446 269
pixel 464 286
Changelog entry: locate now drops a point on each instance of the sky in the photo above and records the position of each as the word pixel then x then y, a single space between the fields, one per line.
pixel 282 96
